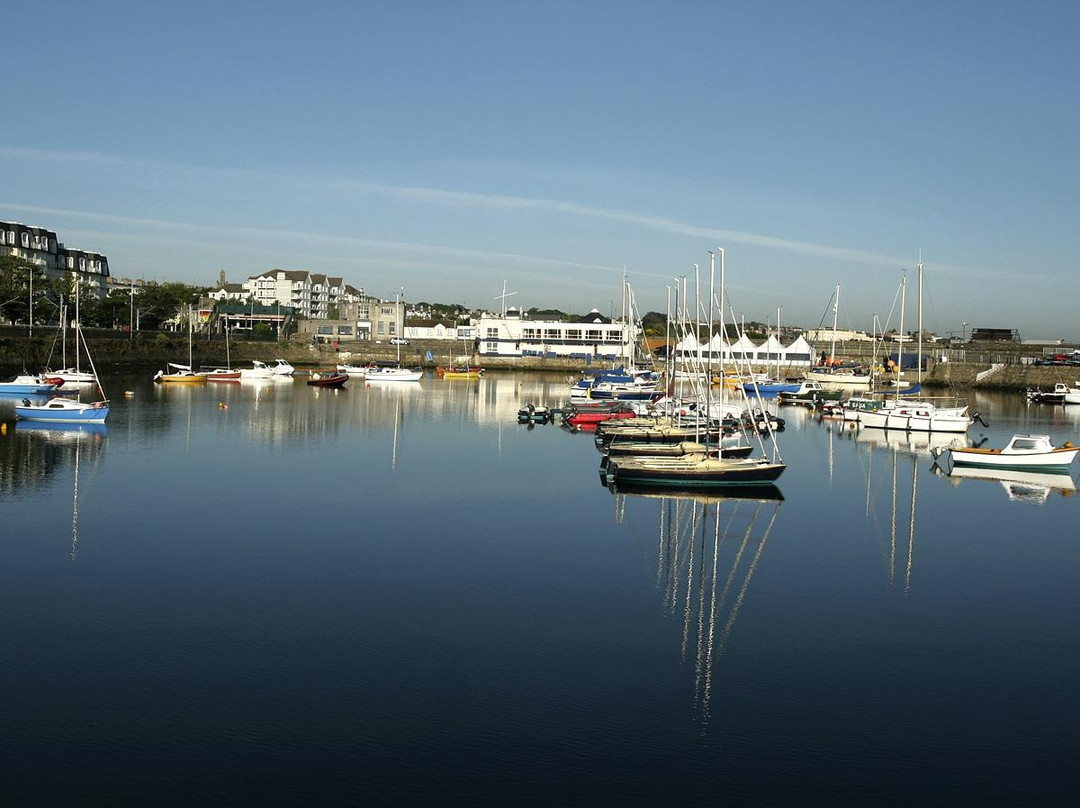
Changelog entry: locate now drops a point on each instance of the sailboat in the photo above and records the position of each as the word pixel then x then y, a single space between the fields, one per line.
pixel 72 376
pixel 225 374
pixel 697 471
pixel 62 410
pixel 915 414
pixel 181 374
pixel 832 377
pixel 462 370
pixel 395 373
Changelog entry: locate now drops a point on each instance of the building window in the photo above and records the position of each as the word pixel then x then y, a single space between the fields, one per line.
pixel 493 333
pixel 492 347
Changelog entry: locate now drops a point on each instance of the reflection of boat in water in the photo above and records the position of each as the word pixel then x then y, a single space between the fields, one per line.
pixel 59 430
pixel 763 493
pixel 1020 486
pixel 710 548
pixel 923 444
pixel 60 441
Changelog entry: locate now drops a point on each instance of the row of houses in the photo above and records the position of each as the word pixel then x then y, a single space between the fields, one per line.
pixel 311 295
pixel 44 249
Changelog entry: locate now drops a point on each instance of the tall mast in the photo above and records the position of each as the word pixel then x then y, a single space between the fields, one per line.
pixel 78 322
pixel 918 359
pixel 835 313
pixel 779 344
pixel 722 334
pixel 900 350
pixel 709 373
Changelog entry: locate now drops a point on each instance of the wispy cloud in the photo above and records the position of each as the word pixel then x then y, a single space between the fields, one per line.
pixel 447 198
pixel 460 199
pixel 263 234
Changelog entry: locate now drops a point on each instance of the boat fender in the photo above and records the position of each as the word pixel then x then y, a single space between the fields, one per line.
pixel 1067 445
pixel 26 402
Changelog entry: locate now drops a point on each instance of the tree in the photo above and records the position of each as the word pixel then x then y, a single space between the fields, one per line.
pixel 115 310
pixel 547 314
pixel 159 303
pixel 15 283
pixel 654 324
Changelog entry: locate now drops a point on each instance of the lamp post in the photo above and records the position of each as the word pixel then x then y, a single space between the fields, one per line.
pixel 963 332
pixel 30 270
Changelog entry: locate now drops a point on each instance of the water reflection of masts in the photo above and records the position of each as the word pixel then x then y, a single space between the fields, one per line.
pixel 893 525
pixel 693 534
pixel 911 526
pixel 717 644
pixel 397 419
pixel 75 506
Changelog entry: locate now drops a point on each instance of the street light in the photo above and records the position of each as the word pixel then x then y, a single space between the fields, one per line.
pixel 963 332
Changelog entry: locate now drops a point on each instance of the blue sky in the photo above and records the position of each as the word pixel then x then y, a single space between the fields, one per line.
pixel 449 147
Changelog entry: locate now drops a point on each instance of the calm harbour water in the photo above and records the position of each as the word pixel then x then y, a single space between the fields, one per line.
pixel 278 595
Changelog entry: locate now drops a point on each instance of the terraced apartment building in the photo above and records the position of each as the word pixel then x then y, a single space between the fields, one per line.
pixel 43 248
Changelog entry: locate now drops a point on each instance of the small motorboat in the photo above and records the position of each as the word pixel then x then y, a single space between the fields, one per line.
pixel 584 418
pixel 327 379
pixel 1022 453
pixel 532 414
pixel 1036 395
pixel 30 385
pixel 258 370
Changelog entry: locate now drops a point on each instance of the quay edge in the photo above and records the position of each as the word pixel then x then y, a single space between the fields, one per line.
pixel 999 370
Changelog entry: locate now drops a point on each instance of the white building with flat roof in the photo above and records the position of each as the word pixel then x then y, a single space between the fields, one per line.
pixel 592 336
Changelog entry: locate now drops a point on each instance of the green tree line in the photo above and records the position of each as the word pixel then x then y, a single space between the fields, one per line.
pixel 150 305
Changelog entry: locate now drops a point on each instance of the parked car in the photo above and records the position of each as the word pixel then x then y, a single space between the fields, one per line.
pixel 398 341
